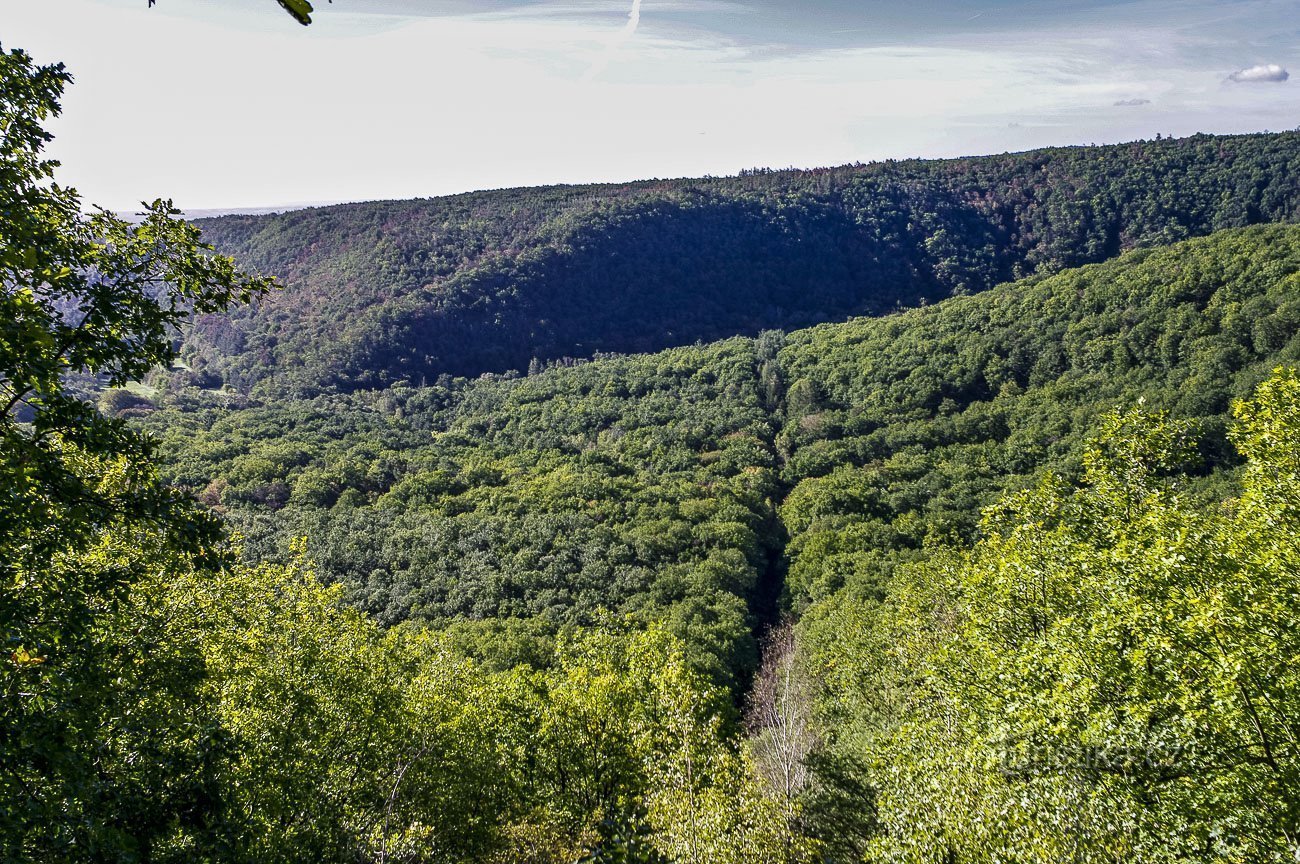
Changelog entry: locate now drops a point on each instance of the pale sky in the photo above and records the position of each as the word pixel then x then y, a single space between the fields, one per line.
pixel 230 103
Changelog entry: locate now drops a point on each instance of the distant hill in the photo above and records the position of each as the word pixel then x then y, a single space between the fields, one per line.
pixel 215 212
pixel 134 216
pixel 487 282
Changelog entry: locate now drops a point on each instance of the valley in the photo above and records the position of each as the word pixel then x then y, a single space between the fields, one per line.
pixel 928 511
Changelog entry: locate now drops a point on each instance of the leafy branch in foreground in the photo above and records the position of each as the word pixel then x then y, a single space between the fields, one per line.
pixel 300 9
pixel 83 516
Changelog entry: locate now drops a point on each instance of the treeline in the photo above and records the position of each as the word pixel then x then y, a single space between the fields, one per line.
pixel 408 291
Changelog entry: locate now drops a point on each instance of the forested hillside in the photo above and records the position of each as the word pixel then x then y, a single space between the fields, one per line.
pixel 641 485
pixel 492 281
pixel 837 476
pixel 899 430
pixel 681 486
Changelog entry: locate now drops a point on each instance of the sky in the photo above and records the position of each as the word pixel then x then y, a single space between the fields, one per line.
pixel 231 104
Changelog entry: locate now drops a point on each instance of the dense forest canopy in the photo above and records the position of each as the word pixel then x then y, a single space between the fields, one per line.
pixel 689 480
pixel 490 281
pixel 1008 576
pixel 837 474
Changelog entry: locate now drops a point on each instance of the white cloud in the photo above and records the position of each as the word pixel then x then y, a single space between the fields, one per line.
pixel 1263 73
pixel 1132 103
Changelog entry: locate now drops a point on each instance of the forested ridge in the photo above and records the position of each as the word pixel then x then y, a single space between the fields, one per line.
pixel 491 281
pixel 1008 576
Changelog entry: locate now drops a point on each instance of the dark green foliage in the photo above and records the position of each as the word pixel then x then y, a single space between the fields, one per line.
pixel 625 840
pixel 652 484
pixel 488 282
pixel 923 418
pixel 643 485
pixel 840 808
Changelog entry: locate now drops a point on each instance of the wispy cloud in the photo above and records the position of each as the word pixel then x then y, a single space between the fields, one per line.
pixel 1265 73
pixel 1132 103
pixel 628 31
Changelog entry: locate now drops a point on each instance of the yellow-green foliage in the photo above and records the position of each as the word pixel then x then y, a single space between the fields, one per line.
pixel 1109 676
pixel 341 740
